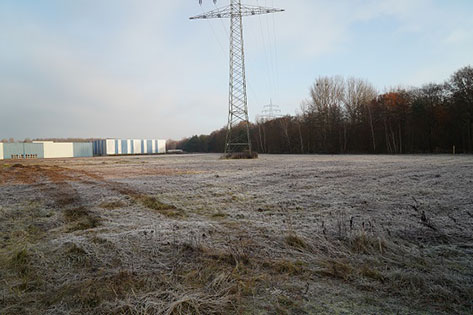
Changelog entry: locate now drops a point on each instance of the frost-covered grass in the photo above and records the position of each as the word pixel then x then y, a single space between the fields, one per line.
pixel 197 234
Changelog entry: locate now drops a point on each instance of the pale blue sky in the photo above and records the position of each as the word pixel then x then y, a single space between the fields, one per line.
pixel 141 69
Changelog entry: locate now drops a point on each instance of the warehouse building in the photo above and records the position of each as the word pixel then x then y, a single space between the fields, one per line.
pixel 45 149
pixel 128 146
pixel 50 149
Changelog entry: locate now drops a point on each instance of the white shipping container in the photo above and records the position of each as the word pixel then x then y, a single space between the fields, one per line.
pixel 161 146
pixel 110 145
pixel 153 144
pixel 137 146
pixel 58 150
pixel 145 146
pixel 1 151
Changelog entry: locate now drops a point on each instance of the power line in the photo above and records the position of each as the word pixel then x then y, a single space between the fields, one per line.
pixel 213 31
pixel 267 60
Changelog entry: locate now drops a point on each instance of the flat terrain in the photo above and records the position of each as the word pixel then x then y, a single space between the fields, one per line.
pixel 278 235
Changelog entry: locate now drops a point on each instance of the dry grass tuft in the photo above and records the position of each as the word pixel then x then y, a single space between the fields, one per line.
pixel 18 271
pixel 364 244
pixel 220 277
pixel 337 269
pixel 371 273
pixel 165 209
pixel 219 215
pixel 77 256
pixel 196 304
pixel 74 250
pixel 112 205
pixel 66 200
pixel 20 261
pixel 289 267
pixel 80 219
pixel 295 241
pixel 287 305
pixel 155 204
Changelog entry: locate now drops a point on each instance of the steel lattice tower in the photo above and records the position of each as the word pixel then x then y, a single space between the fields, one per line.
pixel 238 100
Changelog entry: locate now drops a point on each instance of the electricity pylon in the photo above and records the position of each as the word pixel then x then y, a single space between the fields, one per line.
pixel 238 100
pixel 270 112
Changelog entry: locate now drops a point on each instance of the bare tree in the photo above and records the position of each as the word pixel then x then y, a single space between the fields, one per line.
pixel 326 105
pixel 327 92
pixel 285 124
pixel 358 95
pixel 261 139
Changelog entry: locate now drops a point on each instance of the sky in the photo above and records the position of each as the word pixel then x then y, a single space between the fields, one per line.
pixel 142 69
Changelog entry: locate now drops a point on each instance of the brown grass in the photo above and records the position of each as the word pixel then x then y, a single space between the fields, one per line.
pixel 112 205
pixel 337 269
pixel 20 261
pixel 32 173
pixel 227 272
pixel 364 244
pixel 80 219
pixel 165 209
pixel 295 241
pixel 219 215
pixel 372 273
pixel 90 293
pixel 289 267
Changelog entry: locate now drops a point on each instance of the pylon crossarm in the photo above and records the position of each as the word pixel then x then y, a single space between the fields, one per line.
pixel 220 13
pixel 249 10
pixel 226 12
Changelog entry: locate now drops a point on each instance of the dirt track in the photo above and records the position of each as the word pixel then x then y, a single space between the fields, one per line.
pixel 281 234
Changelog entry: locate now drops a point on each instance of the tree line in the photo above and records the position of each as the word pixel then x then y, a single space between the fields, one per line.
pixel 350 116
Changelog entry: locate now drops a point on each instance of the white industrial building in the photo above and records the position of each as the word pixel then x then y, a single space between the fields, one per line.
pixel 129 146
pixel 56 150
pixel 45 149
pixel 50 149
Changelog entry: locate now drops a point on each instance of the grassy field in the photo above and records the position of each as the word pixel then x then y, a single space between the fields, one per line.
pixel 194 234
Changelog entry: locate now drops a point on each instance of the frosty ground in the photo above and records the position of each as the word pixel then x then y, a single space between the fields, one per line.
pixel 277 235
